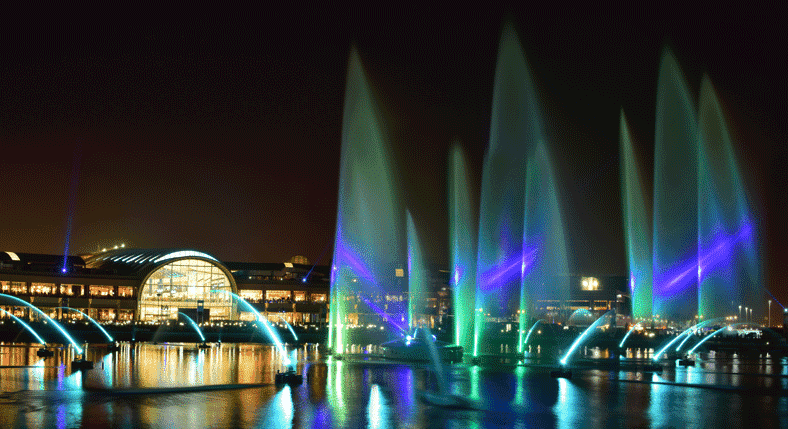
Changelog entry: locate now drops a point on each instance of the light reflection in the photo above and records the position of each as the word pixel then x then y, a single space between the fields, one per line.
pixel 569 409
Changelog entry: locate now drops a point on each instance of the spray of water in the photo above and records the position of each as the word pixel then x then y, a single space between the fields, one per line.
pixel 58 326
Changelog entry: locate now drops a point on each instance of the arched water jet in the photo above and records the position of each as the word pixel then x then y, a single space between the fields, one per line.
pixel 530 331
pixel 673 341
pixel 101 328
pixel 26 326
pixel 290 328
pixel 621 345
pixel 271 334
pixel 60 328
pixel 707 337
pixel 698 326
pixel 194 325
pixel 579 340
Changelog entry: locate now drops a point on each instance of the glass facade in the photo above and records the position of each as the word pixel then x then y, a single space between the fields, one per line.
pixel 181 284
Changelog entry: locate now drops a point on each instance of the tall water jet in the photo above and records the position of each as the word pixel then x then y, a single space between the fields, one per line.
pixel 368 246
pixel 462 248
pixel 513 130
pixel 728 266
pixel 636 227
pixel 543 262
pixel 417 278
pixel 675 251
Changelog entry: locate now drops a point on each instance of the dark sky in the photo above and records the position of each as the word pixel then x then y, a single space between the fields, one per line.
pixel 220 130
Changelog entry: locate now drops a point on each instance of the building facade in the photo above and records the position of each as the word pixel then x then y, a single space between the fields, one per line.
pixel 121 285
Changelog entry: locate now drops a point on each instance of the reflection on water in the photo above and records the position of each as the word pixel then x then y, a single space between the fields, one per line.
pixel 124 390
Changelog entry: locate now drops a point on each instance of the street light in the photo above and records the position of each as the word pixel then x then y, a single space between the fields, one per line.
pixel 740 312
pixel 770 313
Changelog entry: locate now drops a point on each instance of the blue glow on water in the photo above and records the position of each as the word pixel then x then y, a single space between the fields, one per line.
pixel 35 334
pixel 194 325
pixel 48 319
pixel 101 328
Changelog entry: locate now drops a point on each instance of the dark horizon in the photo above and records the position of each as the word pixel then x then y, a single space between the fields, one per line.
pixel 225 138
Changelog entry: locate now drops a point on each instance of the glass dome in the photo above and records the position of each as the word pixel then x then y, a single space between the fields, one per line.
pixel 180 285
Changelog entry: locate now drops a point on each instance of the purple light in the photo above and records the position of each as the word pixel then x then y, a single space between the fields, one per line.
pixel 718 252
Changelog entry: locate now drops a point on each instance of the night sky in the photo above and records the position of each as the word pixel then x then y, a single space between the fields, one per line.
pixel 221 130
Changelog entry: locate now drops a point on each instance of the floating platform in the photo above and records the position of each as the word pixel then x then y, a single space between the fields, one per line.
pixel 45 353
pixel 290 377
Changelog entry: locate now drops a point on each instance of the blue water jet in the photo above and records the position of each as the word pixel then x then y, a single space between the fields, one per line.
pixel 290 328
pixel 272 335
pixel 101 328
pixel 35 334
pixel 621 345
pixel 579 340
pixel 194 325
pixel 60 328
pixel 527 337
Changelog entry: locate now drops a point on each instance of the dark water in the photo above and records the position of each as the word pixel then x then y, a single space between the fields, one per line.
pixel 124 390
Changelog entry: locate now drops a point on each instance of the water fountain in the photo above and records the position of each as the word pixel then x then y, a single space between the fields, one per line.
pixel 80 363
pixel 96 324
pixel 462 248
pixel 290 328
pixel 521 249
pixel 675 236
pixel 514 126
pixel 203 344
pixel 636 228
pixel 530 331
pixel 43 351
pixel 563 371
pixel 369 245
pixel 728 271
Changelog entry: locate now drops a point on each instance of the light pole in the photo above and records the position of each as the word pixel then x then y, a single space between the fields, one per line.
pixel 770 313
pixel 740 312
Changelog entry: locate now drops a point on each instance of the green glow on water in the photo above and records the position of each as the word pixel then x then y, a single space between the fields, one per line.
pixel 462 248
pixel 637 228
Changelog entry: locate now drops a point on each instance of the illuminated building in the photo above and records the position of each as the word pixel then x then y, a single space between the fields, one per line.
pixel 155 284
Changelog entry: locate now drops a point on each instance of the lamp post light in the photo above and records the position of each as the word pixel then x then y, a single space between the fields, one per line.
pixel 770 314
pixel 740 312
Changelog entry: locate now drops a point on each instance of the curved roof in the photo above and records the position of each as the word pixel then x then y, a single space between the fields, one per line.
pixel 138 262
